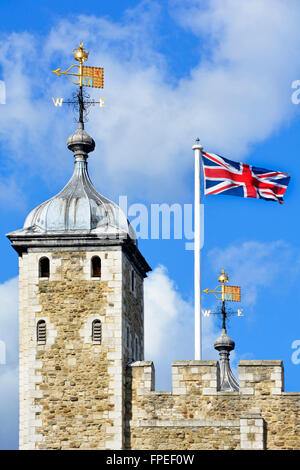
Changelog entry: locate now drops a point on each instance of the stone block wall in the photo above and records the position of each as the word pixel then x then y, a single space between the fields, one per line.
pixel 196 415
pixel 132 312
pixel 71 390
pixel 252 430
pixel 261 377
pixel 195 377
pixel 75 394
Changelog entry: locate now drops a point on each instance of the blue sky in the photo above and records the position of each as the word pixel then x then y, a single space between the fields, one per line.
pixel 174 70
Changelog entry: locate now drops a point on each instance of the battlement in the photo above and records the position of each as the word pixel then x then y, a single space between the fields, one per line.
pixel 203 377
pixel 261 377
pixel 197 415
pixel 197 377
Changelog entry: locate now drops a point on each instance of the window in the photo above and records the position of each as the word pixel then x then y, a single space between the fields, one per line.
pixel 128 337
pixel 96 267
pixel 96 332
pixel 136 355
pixel 44 267
pixel 41 332
pixel 132 281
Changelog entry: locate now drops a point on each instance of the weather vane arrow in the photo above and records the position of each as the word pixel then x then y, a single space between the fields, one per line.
pixel 57 72
pixel 87 77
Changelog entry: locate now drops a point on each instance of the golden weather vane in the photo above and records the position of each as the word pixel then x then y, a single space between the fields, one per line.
pixel 87 77
pixel 224 293
pixel 231 293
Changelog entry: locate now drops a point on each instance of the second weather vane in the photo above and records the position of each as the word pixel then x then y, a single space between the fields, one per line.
pixel 92 77
pixel 224 293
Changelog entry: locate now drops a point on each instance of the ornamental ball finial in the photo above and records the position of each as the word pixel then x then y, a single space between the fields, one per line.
pixel 223 277
pixel 81 54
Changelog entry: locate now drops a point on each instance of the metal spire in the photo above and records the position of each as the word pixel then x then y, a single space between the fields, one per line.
pixel 224 344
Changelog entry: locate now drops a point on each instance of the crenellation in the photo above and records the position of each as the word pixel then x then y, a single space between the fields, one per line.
pixel 261 377
pixel 195 376
pixel 233 420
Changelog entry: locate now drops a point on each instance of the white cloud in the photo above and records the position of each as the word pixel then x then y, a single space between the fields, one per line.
pixel 11 195
pixel 9 371
pixel 237 94
pixel 9 410
pixel 9 318
pixel 169 327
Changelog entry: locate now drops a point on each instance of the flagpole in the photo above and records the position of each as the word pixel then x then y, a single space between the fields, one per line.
pixel 197 247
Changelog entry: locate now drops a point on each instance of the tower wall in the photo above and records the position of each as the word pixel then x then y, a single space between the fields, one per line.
pixel 196 415
pixel 71 390
pixel 132 312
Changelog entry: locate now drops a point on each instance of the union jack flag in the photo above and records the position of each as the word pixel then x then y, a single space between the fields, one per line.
pixel 223 176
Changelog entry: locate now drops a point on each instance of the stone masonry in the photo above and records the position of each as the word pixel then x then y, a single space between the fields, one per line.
pixel 78 395
pixel 75 394
pixel 195 415
pixel 71 390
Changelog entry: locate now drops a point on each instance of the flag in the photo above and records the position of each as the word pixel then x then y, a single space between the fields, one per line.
pixel 93 76
pixel 223 176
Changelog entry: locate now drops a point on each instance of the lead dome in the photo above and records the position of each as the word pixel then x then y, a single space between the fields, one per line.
pixel 79 207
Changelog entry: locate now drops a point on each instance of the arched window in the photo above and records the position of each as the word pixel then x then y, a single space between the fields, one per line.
pixel 95 266
pixel 44 267
pixel 96 332
pixel 41 332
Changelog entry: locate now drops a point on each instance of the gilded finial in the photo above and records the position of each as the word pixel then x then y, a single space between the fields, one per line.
pixel 223 277
pixel 81 54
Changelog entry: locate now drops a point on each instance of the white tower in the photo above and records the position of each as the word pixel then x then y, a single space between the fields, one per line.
pixel 81 314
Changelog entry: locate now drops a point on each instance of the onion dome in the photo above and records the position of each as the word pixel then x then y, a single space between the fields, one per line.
pixel 79 208
pixel 224 342
pixel 81 141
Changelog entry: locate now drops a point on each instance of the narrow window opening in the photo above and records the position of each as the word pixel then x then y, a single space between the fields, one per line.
pixel 96 266
pixel 44 267
pixel 96 332
pixel 132 281
pixel 41 332
pixel 128 337
pixel 136 349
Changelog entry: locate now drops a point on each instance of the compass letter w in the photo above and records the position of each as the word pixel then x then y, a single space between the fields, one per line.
pixel 206 313
pixel 57 101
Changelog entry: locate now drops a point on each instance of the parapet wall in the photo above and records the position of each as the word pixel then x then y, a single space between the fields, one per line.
pixel 196 415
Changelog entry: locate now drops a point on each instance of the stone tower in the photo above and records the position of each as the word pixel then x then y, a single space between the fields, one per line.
pixel 81 315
